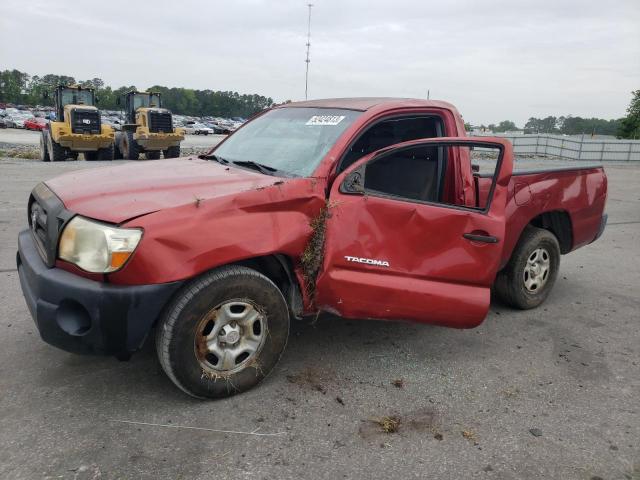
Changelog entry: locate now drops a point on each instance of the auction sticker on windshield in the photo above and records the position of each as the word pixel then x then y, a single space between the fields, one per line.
pixel 325 120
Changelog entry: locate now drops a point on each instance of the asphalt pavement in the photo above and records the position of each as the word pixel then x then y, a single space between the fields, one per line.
pixel 546 393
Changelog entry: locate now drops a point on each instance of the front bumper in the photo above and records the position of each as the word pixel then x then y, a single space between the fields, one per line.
pixel 84 316
pixel 86 142
pixel 159 141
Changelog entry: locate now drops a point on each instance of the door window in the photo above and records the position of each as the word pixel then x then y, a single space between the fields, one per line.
pixel 390 132
pixel 417 174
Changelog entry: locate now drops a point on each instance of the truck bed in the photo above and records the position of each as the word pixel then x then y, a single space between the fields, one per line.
pixel 568 198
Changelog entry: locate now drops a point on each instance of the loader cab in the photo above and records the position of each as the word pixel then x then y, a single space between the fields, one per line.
pixel 72 95
pixel 135 100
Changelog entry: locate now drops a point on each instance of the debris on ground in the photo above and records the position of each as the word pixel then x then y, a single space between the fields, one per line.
pixel 388 424
pixel 536 432
pixel 398 383
pixel 309 378
pixel 339 400
pixel 471 436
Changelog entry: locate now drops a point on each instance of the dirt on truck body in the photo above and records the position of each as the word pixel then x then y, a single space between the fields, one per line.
pixel 366 208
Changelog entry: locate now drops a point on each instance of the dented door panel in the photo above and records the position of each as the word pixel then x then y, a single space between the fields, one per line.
pixel 412 260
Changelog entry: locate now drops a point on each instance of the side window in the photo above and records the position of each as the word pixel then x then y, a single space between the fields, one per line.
pixel 390 132
pixel 415 173
pixel 419 173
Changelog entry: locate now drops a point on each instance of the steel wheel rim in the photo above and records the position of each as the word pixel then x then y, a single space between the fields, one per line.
pixel 230 336
pixel 537 270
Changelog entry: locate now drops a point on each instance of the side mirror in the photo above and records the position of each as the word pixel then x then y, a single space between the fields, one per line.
pixel 354 182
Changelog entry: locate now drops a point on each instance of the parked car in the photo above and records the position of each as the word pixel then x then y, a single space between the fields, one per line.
pixel 35 123
pixel 3 123
pixel 365 208
pixel 219 129
pixel 197 128
pixel 17 120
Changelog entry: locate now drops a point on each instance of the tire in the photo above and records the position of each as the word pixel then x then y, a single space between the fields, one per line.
pixel 227 293
pixel 130 148
pixel 152 155
pixel 522 283
pixel 44 150
pixel 57 153
pixel 106 153
pixel 172 152
pixel 91 156
pixel 117 147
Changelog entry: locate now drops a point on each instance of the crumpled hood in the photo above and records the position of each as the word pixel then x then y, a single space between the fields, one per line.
pixel 116 194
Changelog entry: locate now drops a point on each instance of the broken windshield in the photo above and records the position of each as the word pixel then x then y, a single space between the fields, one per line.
pixel 292 140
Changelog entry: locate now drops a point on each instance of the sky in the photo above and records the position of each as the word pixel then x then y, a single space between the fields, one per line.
pixel 495 60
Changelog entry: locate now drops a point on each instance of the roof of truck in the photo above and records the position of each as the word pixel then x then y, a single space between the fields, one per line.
pixel 365 103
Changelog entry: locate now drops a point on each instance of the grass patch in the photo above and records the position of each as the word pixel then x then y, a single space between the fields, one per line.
pixel 311 258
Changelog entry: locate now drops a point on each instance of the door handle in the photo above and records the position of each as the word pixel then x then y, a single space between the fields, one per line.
pixel 476 237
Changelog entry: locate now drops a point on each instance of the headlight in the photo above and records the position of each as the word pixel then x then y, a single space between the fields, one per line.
pixel 96 247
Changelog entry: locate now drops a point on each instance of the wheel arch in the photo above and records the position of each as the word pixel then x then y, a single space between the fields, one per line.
pixel 279 269
pixel 559 223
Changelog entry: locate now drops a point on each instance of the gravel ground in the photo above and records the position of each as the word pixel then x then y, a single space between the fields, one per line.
pixel 548 393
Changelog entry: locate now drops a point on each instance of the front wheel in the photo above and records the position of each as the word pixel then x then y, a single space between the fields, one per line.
pixel 529 276
pixel 152 155
pixel 223 333
pixel 44 151
pixel 106 153
pixel 172 152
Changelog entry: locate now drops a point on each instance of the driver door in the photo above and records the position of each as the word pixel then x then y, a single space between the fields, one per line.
pixel 397 247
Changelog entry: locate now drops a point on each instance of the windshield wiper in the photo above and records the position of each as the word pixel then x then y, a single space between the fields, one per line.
pixel 267 170
pixel 216 158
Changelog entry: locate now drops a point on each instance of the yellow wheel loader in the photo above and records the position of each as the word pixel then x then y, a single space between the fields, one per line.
pixel 148 129
pixel 77 128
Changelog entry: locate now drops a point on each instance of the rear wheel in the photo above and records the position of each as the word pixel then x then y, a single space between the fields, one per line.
pixel 223 333
pixel 130 148
pixel 529 276
pixel 44 150
pixel 154 155
pixel 172 152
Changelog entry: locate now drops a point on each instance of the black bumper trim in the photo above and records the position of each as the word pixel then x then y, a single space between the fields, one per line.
pixel 84 316
pixel 603 224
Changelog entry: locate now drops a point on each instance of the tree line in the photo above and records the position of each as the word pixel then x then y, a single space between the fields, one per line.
pixel 20 88
pixel 626 127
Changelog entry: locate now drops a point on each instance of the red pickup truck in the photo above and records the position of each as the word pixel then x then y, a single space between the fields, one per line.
pixel 366 208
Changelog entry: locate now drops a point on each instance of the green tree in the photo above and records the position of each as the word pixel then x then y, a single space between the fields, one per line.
pixel 629 126
pixel 18 87
pixel 506 126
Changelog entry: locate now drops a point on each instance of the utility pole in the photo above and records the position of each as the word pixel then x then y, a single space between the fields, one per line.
pixel 308 60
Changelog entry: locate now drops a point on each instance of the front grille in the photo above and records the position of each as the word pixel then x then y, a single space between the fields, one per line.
pixel 160 122
pixel 85 121
pixel 47 217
